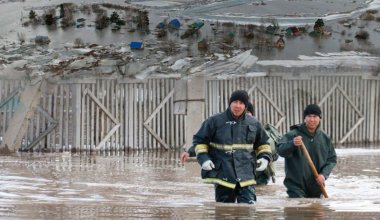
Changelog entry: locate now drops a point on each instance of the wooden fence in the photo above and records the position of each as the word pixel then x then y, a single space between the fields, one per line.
pixel 350 103
pixel 115 115
pixel 102 114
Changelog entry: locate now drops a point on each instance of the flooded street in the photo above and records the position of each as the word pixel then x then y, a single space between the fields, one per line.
pixel 297 13
pixel 155 185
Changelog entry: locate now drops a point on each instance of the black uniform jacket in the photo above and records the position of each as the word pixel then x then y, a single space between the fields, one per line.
pixel 233 145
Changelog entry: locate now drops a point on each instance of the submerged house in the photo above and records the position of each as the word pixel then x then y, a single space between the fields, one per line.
pixel 293 31
pixel 280 43
pixel 174 24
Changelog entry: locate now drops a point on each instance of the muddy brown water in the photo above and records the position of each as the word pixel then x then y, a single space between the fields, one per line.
pixel 156 185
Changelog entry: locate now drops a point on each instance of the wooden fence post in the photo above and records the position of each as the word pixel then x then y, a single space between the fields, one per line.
pixel 195 107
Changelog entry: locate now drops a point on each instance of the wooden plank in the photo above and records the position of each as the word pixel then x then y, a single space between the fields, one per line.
pixel 171 122
pixel 67 118
pixel 77 116
pixel 88 119
pixel 44 120
pixel 158 119
pixel 110 106
pixel 49 108
pixel 121 91
pixel 98 92
pixel 38 129
pixel 130 116
pixel 363 106
pixel 150 109
pixel 155 103
pixel 134 116
pixel 341 112
pixel 61 106
pixel 83 117
pixel 106 119
pixel 145 115
pixel 126 114
pixel 115 105
pixel 377 106
pixel 165 119
pixel 358 101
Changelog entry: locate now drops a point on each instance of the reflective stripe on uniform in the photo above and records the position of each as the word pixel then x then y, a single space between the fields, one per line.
pixel 265 148
pixel 230 147
pixel 201 148
pixel 219 182
pixel 247 183
pixel 227 184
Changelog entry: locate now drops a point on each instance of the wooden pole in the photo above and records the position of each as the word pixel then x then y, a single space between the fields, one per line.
pixel 311 164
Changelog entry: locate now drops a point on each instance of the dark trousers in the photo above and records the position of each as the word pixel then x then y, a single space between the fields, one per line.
pixel 239 194
pixel 262 178
pixel 299 193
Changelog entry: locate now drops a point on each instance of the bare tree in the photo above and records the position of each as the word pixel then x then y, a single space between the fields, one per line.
pixel 78 42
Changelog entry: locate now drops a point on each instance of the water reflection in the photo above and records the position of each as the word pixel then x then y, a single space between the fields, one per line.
pixel 314 211
pixel 155 185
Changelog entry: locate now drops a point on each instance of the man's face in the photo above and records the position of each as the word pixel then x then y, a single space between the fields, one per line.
pixel 237 108
pixel 312 122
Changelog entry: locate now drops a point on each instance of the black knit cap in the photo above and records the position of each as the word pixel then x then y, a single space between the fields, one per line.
pixel 312 109
pixel 239 95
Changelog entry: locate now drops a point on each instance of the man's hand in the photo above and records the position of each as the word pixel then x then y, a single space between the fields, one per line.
pixel 208 165
pixel 320 180
pixel 263 163
pixel 184 156
pixel 297 141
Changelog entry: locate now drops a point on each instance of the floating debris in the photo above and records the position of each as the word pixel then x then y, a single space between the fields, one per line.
pixel 137 45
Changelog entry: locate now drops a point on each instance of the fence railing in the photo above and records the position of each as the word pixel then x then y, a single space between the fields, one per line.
pixel 103 114
pixel 120 114
pixel 350 103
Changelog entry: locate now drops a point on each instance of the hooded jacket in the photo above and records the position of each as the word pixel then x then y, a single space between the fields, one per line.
pixel 298 173
pixel 233 145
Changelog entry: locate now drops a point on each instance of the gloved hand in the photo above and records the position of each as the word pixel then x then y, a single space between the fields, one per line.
pixel 208 165
pixel 263 163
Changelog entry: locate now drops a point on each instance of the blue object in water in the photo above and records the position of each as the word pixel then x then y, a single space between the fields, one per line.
pixel 174 24
pixel 136 45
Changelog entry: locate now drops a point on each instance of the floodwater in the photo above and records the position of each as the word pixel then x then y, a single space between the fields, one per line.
pixel 156 185
pixel 13 13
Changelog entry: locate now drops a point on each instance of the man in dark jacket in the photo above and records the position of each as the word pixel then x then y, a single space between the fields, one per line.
pixel 227 146
pixel 185 155
pixel 299 179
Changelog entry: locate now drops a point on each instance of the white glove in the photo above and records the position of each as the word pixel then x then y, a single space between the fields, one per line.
pixel 208 165
pixel 263 163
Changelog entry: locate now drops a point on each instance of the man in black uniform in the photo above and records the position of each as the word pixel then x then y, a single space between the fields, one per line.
pixel 228 147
